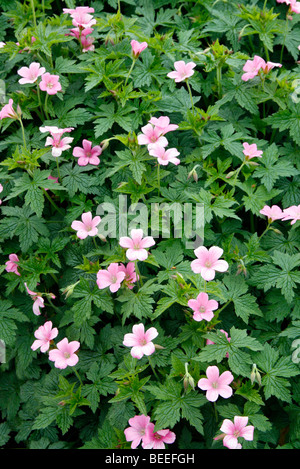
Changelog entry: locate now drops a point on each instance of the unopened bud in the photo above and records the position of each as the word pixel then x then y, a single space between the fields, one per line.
pixel 229 175
pixel 102 237
pixel 69 290
pixel 104 144
pixel 159 347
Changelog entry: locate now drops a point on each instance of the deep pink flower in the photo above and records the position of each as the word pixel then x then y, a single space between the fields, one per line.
pixel 251 151
pixel 151 135
pixel 64 355
pixel 12 264
pixel 252 67
pixel 82 36
pixel 87 154
pixel 203 307
pixel 38 301
pixel 58 143
pixel 8 111
pixel 44 334
pixel 88 226
pixel 136 245
pixel 164 157
pixel 208 262
pixel 182 71
pixel 50 83
pixel 273 213
pixel 215 384
pixel 112 277
pixel 235 430
pixel 210 342
pixel 130 274
pixel 30 74
pixel 157 440
pixel 137 429
pixel 292 213
pixel 138 47
pixel 162 124
pixel 140 341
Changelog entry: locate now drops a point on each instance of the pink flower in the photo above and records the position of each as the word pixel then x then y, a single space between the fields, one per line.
pixel 269 65
pixel 292 213
pixel 294 6
pixel 130 274
pixel 235 430
pixel 37 299
pixel 137 429
pixel 251 151
pixel 136 245
pixel 112 277
pixel 151 135
pixel 83 10
pixel 58 143
pixel 273 213
pixel 2 44
pixel 140 341
pixel 87 154
pixel 215 384
pixel 87 43
pixel 1 190
pixel 12 264
pixel 88 226
pixel 203 307
pixel 164 157
pixel 81 35
pixel 252 67
pixel 210 342
pixel 162 124
pixel 182 71
pixel 208 262
pixel 50 83
pixel 44 334
pixel 157 440
pixel 138 47
pixel 30 74
pixel 64 355
pixel 8 111
pixel 83 20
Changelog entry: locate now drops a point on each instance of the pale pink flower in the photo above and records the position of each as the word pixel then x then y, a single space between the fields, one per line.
pixel 210 342
pixel 87 154
pixel 269 65
pixel 203 307
pixel 88 226
pixel 64 355
pixel 2 44
pixel 136 245
pixel 130 274
pixel 151 135
pixel 162 124
pixel 295 6
pixel 251 151
pixel 1 190
pixel 208 262
pixel 82 19
pixel 137 429
pixel 252 67
pixel 50 83
pixel 8 111
pixel 292 213
pixel 87 43
pixel 38 301
pixel 12 264
pixel 58 143
pixel 157 440
pixel 44 334
pixel 138 47
pixel 235 430
pixel 83 10
pixel 164 157
pixel 30 74
pixel 140 341
pixel 112 277
pixel 215 384
pixel 273 213
pixel 182 71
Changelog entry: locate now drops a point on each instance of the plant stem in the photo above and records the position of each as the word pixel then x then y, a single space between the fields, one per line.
pixel 46 109
pixel 58 172
pixel 130 70
pixel 216 412
pixel 154 372
pixel 23 133
pixel 284 37
pixel 158 178
pixel 40 102
pixel 52 202
pixel 33 12
pixel 264 232
pixel 190 93
pixel 77 374
pixel 219 80
pixel 137 271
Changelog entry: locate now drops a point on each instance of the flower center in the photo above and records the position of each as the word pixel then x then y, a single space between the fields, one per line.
pixel 157 436
pixel 88 154
pixel 208 264
pixel 215 385
pixel 202 309
pixel 50 85
pixel 67 355
pixel 143 342
pixel 236 433
pixel 113 279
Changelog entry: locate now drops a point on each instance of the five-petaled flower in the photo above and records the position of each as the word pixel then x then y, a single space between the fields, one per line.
pixel 137 429
pixel 182 71
pixel 44 335
pixel 273 213
pixel 208 262
pixel 112 277
pixel 136 245
pixel 251 151
pixel 50 83
pixel 140 341
pixel 87 154
pixel 86 227
pixel 203 307
pixel 215 384
pixel 64 355
pixel 30 74
pixel 234 430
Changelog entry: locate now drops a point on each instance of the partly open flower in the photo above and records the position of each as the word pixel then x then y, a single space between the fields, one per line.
pixel 44 334
pixel 130 275
pixel 12 264
pixel 30 74
pixel 157 440
pixel 162 124
pixel 58 143
pixel 251 151
pixel 138 47
pixel 38 301
pixel 252 67
pixel 140 341
pixel 164 157
pixel 273 213
pixel 8 111
pixel 292 213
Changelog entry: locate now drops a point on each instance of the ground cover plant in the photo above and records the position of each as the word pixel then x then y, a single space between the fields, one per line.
pixel 149 185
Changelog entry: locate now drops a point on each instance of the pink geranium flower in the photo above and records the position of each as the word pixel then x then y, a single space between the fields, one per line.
pixel 8 111
pixel 1 190
pixel 87 154
pixel 151 135
pixel 233 431
pixel 112 277
pixel 252 67
pixel 81 19
pixel 137 429
pixel 58 143
pixel 130 274
pixel 83 10
pixel 208 262
pixel 138 47
pixel 203 307
pixel 86 227
pixel 292 213
pixel 38 301
pixel 182 71
pixel 162 124
pixel 140 341
pixel 50 83
pixel 273 213
pixel 251 151
pixel 157 440
pixel 82 36
pixel 136 245
pixel 12 264
pixel 44 334
pixel 215 384
pixel 2 44
pixel 164 157
pixel 269 65
pixel 30 74
pixel 64 355
pixel 210 342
